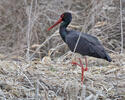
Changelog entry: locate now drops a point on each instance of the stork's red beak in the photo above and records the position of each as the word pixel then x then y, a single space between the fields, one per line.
pixel 59 21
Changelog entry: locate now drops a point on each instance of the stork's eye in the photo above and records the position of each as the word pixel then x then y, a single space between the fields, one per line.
pixel 62 15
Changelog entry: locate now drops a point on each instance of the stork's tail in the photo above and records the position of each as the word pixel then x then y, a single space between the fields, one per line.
pixel 108 58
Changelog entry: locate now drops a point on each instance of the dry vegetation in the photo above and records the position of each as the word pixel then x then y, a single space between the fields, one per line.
pixel 33 65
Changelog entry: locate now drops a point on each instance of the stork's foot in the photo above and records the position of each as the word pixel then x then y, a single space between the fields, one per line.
pixel 86 68
pixel 74 63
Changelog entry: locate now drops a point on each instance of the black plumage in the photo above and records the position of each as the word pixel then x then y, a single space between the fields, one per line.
pixel 88 45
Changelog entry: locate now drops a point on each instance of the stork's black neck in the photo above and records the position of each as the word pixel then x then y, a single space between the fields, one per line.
pixel 63 31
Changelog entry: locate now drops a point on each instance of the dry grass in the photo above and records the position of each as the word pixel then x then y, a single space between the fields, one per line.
pixel 57 80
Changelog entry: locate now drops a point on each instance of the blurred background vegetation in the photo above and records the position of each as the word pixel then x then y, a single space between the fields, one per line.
pixel 24 23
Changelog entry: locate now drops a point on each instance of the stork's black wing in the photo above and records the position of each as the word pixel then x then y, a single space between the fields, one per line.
pixel 88 45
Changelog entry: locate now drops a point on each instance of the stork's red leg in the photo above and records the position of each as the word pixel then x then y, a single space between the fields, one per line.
pixel 82 70
pixel 86 68
pixel 75 63
pixel 82 75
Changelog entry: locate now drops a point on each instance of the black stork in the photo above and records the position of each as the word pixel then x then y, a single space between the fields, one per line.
pixel 88 45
